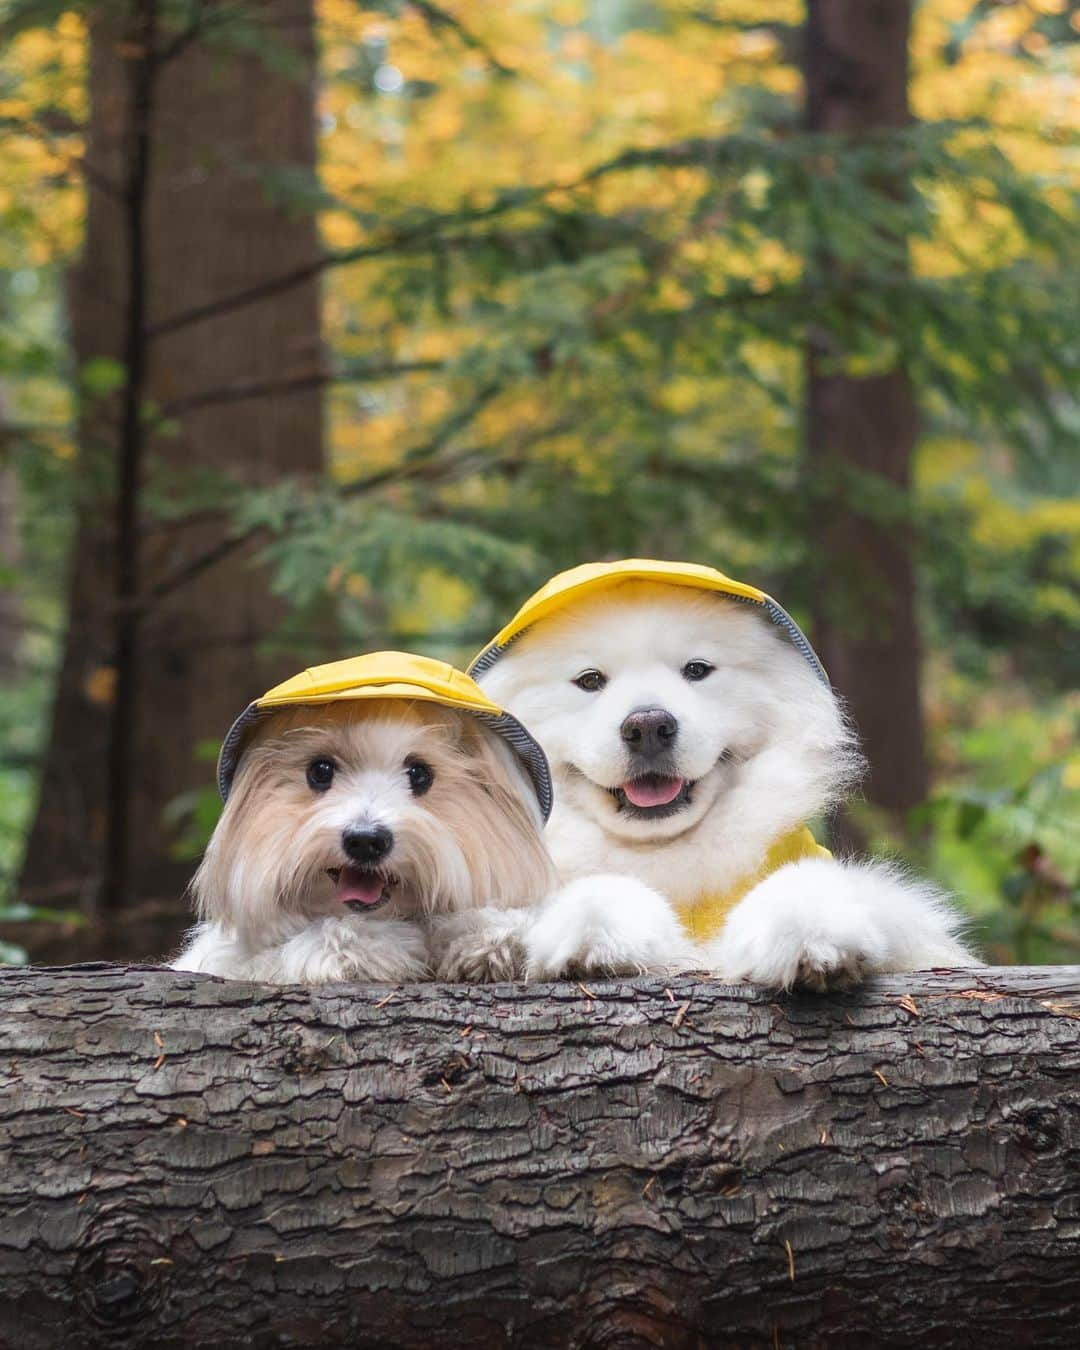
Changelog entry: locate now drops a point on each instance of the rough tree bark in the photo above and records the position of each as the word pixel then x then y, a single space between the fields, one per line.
pixel 190 1162
pixel 218 120
pixel 865 624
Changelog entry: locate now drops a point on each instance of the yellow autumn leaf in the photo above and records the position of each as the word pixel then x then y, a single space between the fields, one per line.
pixel 100 685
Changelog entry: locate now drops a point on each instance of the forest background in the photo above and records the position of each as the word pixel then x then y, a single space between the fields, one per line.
pixel 332 326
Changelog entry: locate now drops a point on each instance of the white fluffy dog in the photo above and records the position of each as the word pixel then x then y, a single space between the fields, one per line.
pixel 690 738
pixel 374 840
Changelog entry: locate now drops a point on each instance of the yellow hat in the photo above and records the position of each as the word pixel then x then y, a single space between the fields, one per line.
pixel 592 578
pixel 388 675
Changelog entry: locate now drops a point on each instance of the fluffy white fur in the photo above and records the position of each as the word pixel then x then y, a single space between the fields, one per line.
pixel 764 745
pixel 471 844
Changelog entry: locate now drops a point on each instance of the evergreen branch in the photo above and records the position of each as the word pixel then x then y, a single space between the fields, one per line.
pixel 428 233
pixel 411 464
pixel 183 39
pixel 422 237
pixel 919 150
pixel 191 571
pixel 240 391
pixel 421 455
pixel 205 16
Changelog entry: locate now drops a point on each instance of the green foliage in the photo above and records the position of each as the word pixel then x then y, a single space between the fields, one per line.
pixel 101 376
pixel 193 815
pixel 323 537
pixel 21 715
pixel 1016 846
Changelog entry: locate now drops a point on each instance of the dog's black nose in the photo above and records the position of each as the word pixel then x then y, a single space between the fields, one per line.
pixel 648 731
pixel 367 847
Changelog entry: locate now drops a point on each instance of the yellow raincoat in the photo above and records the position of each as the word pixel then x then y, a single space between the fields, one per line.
pixel 703 917
pixel 388 675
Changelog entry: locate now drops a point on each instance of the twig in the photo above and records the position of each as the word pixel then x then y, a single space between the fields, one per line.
pixel 196 567
pixel 430 233
pixel 438 17
pixel 241 390
pixel 185 37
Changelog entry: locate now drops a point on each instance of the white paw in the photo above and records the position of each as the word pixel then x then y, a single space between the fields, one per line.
pixel 212 950
pixel 484 947
pixel 824 965
pixel 806 925
pixel 336 951
pixel 605 925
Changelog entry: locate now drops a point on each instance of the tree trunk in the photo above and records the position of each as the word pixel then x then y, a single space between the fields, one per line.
pixel 10 610
pixel 191 1162
pixel 210 229
pixel 864 611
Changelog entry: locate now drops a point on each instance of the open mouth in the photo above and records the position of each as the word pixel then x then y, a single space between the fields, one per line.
pixel 652 796
pixel 362 890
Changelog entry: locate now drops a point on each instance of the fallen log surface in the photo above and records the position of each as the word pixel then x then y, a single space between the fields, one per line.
pixel 186 1161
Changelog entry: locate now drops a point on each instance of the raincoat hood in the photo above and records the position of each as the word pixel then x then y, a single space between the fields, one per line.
pixel 591 579
pixel 388 675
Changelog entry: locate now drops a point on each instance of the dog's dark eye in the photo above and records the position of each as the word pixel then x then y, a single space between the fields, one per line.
pixel 421 776
pixel 320 774
pixel 592 681
pixel 697 670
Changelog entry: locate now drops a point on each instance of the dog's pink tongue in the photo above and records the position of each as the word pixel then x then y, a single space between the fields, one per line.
pixel 356 885
pixel 654 790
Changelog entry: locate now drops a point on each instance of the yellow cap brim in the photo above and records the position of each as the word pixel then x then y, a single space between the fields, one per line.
pixel 590 579
pixel 382 676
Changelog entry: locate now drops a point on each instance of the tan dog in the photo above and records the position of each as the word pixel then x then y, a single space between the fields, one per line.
pixel 374 829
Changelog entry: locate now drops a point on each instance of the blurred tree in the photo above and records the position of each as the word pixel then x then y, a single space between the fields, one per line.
pixel 10 607
pixel 865 425
pixel 166 621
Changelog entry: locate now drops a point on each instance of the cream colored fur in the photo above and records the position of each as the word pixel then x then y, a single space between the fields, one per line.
pixel 766 747
pixel 471 844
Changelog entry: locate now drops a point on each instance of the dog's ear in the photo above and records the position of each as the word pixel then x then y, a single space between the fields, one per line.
pixel 501 768
pixel 210 887
pixel 231 879
pixel 507 854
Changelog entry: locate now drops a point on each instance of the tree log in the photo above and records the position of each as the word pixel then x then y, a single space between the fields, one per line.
pixel 194 1162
